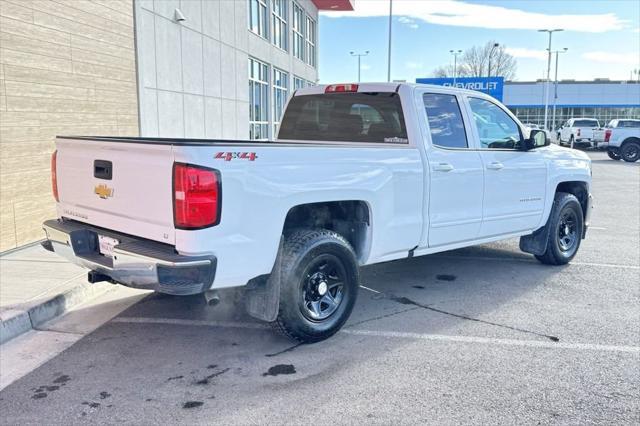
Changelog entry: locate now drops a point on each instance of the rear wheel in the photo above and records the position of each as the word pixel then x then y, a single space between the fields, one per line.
pixel 318 285
pixel 566 224
pixel 630 152
pixel 571 141
pixel 614 154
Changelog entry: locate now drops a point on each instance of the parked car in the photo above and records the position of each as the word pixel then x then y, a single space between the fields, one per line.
pixel 293 220
pixel 578 132
pixel 621 139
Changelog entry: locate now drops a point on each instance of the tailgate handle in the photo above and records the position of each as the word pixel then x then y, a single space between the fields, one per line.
pixel 102 169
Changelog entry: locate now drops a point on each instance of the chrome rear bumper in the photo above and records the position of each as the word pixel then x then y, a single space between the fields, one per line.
pixel 135 263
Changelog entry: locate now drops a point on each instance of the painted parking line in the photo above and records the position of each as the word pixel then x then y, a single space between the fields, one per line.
pixel 503 259
pixel 397 335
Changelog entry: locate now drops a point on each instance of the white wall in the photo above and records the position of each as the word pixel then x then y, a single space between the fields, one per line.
pixel 614 93
pixel 193 75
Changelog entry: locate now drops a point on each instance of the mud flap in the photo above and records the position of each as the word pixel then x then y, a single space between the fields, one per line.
pixel 535 243
pixel 262 294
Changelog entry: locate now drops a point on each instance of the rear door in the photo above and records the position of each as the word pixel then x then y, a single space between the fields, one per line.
pixel 514 180
pixel 455 186
pixel 125 187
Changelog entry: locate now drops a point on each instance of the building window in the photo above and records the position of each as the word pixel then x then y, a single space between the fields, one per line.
pixel 279 23
pixel 310 44
pixel 258 100
pixel 298 32
pixel 280 96
pixel 298 83
pixel 258 21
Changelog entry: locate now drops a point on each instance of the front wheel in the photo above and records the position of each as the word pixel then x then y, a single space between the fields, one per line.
pixel 566 226
pixel 319 281
pixel 613 154
pixel 630 152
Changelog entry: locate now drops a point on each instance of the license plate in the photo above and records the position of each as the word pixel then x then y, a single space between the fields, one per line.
pixel 106 245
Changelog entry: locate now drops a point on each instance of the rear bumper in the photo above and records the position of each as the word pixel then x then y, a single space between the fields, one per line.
pixel 136 262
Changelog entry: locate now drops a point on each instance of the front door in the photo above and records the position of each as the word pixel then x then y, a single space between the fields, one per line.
pixel 455 170
pixel 514 179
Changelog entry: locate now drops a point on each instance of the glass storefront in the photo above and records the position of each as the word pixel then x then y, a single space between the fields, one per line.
pixel 602 113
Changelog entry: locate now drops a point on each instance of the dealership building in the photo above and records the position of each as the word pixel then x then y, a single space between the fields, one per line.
pixel 167 68
pixel 601 98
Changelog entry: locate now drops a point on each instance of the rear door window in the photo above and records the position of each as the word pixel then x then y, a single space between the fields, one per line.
pixel 374 117
pixel 445 120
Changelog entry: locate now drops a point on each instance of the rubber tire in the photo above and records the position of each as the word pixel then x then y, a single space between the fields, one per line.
pixel 299 249
pixel 571 141
pixel 614 155
pixel 624 151
pixel 553 255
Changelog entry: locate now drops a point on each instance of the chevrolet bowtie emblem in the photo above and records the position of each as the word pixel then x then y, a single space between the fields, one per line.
pixel 103 191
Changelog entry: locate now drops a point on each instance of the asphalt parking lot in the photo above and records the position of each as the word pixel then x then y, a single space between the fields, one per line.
pixel 478 335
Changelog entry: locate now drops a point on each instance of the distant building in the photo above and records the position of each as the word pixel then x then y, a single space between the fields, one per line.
pixel 601 98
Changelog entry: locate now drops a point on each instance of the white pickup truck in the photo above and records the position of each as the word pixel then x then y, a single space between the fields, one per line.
pixel 359 174
pixel 621 139
pixel 578 131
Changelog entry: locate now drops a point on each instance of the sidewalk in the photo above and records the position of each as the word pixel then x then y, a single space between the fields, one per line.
pixel 37 286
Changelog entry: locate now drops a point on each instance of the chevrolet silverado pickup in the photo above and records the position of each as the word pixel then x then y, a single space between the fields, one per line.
pixel 578 131
pixel 359 174
pixel 621 139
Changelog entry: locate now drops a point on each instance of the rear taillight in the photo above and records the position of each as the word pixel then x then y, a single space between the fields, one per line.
pixel 54 175
pixel 196 196
pixel 607 135
pixel 341 88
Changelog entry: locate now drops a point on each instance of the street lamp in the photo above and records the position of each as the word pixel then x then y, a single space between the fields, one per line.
pixel 546 86
pixel 455 54
pixel 555 89
pixel 389 48
pixel 359 55
pixel 489 68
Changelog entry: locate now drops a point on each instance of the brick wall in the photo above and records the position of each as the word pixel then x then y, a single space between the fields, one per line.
pixel 66 67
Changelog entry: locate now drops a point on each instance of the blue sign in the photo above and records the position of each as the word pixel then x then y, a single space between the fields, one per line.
pixel 493 86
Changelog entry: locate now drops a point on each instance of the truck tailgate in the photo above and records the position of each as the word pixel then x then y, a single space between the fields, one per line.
pixel 125 187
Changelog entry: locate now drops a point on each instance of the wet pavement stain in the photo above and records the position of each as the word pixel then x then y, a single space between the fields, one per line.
pixel 420 287
pixel 174 378
pixel 289 349
pixel 206 380
pixel 212 366
pixel 104 395
pixel 62 379
pixel 407 301
pixel 276 370
pixel 446 277
pixel 192 404
pixel 39 395
pixel 91 404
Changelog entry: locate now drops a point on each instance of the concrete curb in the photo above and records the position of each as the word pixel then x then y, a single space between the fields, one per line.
pixel 17 321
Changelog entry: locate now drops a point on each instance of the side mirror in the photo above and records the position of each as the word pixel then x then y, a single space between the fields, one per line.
pixel 537 139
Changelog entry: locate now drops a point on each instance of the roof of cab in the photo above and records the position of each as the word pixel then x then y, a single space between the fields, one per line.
pixel 384 87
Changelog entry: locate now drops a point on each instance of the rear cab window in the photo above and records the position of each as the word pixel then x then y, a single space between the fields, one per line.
pixel 371 117
pixel 586 123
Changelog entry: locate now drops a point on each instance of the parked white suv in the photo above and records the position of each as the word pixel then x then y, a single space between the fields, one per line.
pixel 621 138
pixel 578 131
pixel 360 174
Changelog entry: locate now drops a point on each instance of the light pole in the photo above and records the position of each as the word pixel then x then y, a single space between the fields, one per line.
pixel 555 89
pixel 359 55
pixel 455 54
pixel 489 68
pixel 546 86
pixel 389 48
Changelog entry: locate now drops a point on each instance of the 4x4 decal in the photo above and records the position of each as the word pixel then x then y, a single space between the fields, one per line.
pixel 228 156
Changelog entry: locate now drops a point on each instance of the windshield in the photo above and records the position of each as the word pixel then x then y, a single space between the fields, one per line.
pixel 345 117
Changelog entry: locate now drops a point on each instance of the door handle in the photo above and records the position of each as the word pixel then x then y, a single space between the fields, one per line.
pixel 496 165
pixel 442 167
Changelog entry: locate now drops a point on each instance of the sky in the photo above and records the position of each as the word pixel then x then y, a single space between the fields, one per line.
pixel 602 37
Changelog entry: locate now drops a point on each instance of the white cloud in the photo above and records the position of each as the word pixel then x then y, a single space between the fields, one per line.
pixel 412 65
pixel 612 58
pixel 408 22
pixel 523 52
pixel 460 13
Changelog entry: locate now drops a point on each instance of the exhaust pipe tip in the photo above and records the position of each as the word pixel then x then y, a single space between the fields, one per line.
pixel 211 297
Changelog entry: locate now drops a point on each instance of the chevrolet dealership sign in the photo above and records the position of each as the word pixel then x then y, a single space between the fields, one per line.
pixel 493 86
